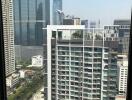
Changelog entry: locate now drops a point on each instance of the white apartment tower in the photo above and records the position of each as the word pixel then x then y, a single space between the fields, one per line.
pixel 122 74
pixel 8 28
pixel 80 64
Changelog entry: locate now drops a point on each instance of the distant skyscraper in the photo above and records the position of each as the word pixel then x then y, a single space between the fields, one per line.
pixel 80 64
pixel 124 34
pixel 8 28
pixel 93 24
pixel 30 17
pixel 57 12
pixel 84 22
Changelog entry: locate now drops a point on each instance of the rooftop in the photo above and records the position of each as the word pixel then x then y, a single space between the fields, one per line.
pixel 120 96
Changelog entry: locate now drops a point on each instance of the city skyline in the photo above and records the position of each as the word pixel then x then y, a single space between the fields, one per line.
pixel 29 20
pixel 66 49
pixel 99 10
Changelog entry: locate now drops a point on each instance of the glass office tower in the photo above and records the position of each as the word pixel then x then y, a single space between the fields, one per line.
pixel 57 14
pixel 30 17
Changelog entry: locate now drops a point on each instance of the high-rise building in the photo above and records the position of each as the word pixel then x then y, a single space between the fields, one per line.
pixel 30 17
pixel 37 61
pixel 84 22
pixel 8 28
pixel 93 24
pixel 124 34
pixel 81 64
pixel 115 31
pixel 122 22
pixel 57 12
pixel 122 74
pixel 68 21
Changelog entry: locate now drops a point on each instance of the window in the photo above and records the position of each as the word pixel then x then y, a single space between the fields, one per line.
pixel 54 34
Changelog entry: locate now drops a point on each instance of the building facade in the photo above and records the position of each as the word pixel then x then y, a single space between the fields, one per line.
pixel 72 21
pixel 77 21
pixel 81 65
pixel 120 97
pixel 124 34
pixel 122 22
pixel 122 74
pixel 93 24
pixel 37 61
pixel 30 17
pixel 115 30
pixel 22 73
pixel 57 12
pixel 68 21
pixel 84 22
pixel 12 80
pixel 8 28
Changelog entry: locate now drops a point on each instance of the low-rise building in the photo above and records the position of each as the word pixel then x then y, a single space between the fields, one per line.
pixel 22 73
pixel 118 97
pixel 77 21
pixel 25 73
pixel 37 61
pixel 12 80
pixel 68 21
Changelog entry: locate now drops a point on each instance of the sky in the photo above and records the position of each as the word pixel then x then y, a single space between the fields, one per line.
pixel 104 10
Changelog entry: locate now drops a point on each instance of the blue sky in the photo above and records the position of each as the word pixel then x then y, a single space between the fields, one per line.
pixel 105 10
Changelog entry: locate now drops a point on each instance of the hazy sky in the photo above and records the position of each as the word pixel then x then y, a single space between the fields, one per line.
pixel 105 10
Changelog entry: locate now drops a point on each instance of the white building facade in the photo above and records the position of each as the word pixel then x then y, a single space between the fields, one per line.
pixel 12 80
pixel 80 65
pixel 122 74
pixel 22 73
pixel 37 61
